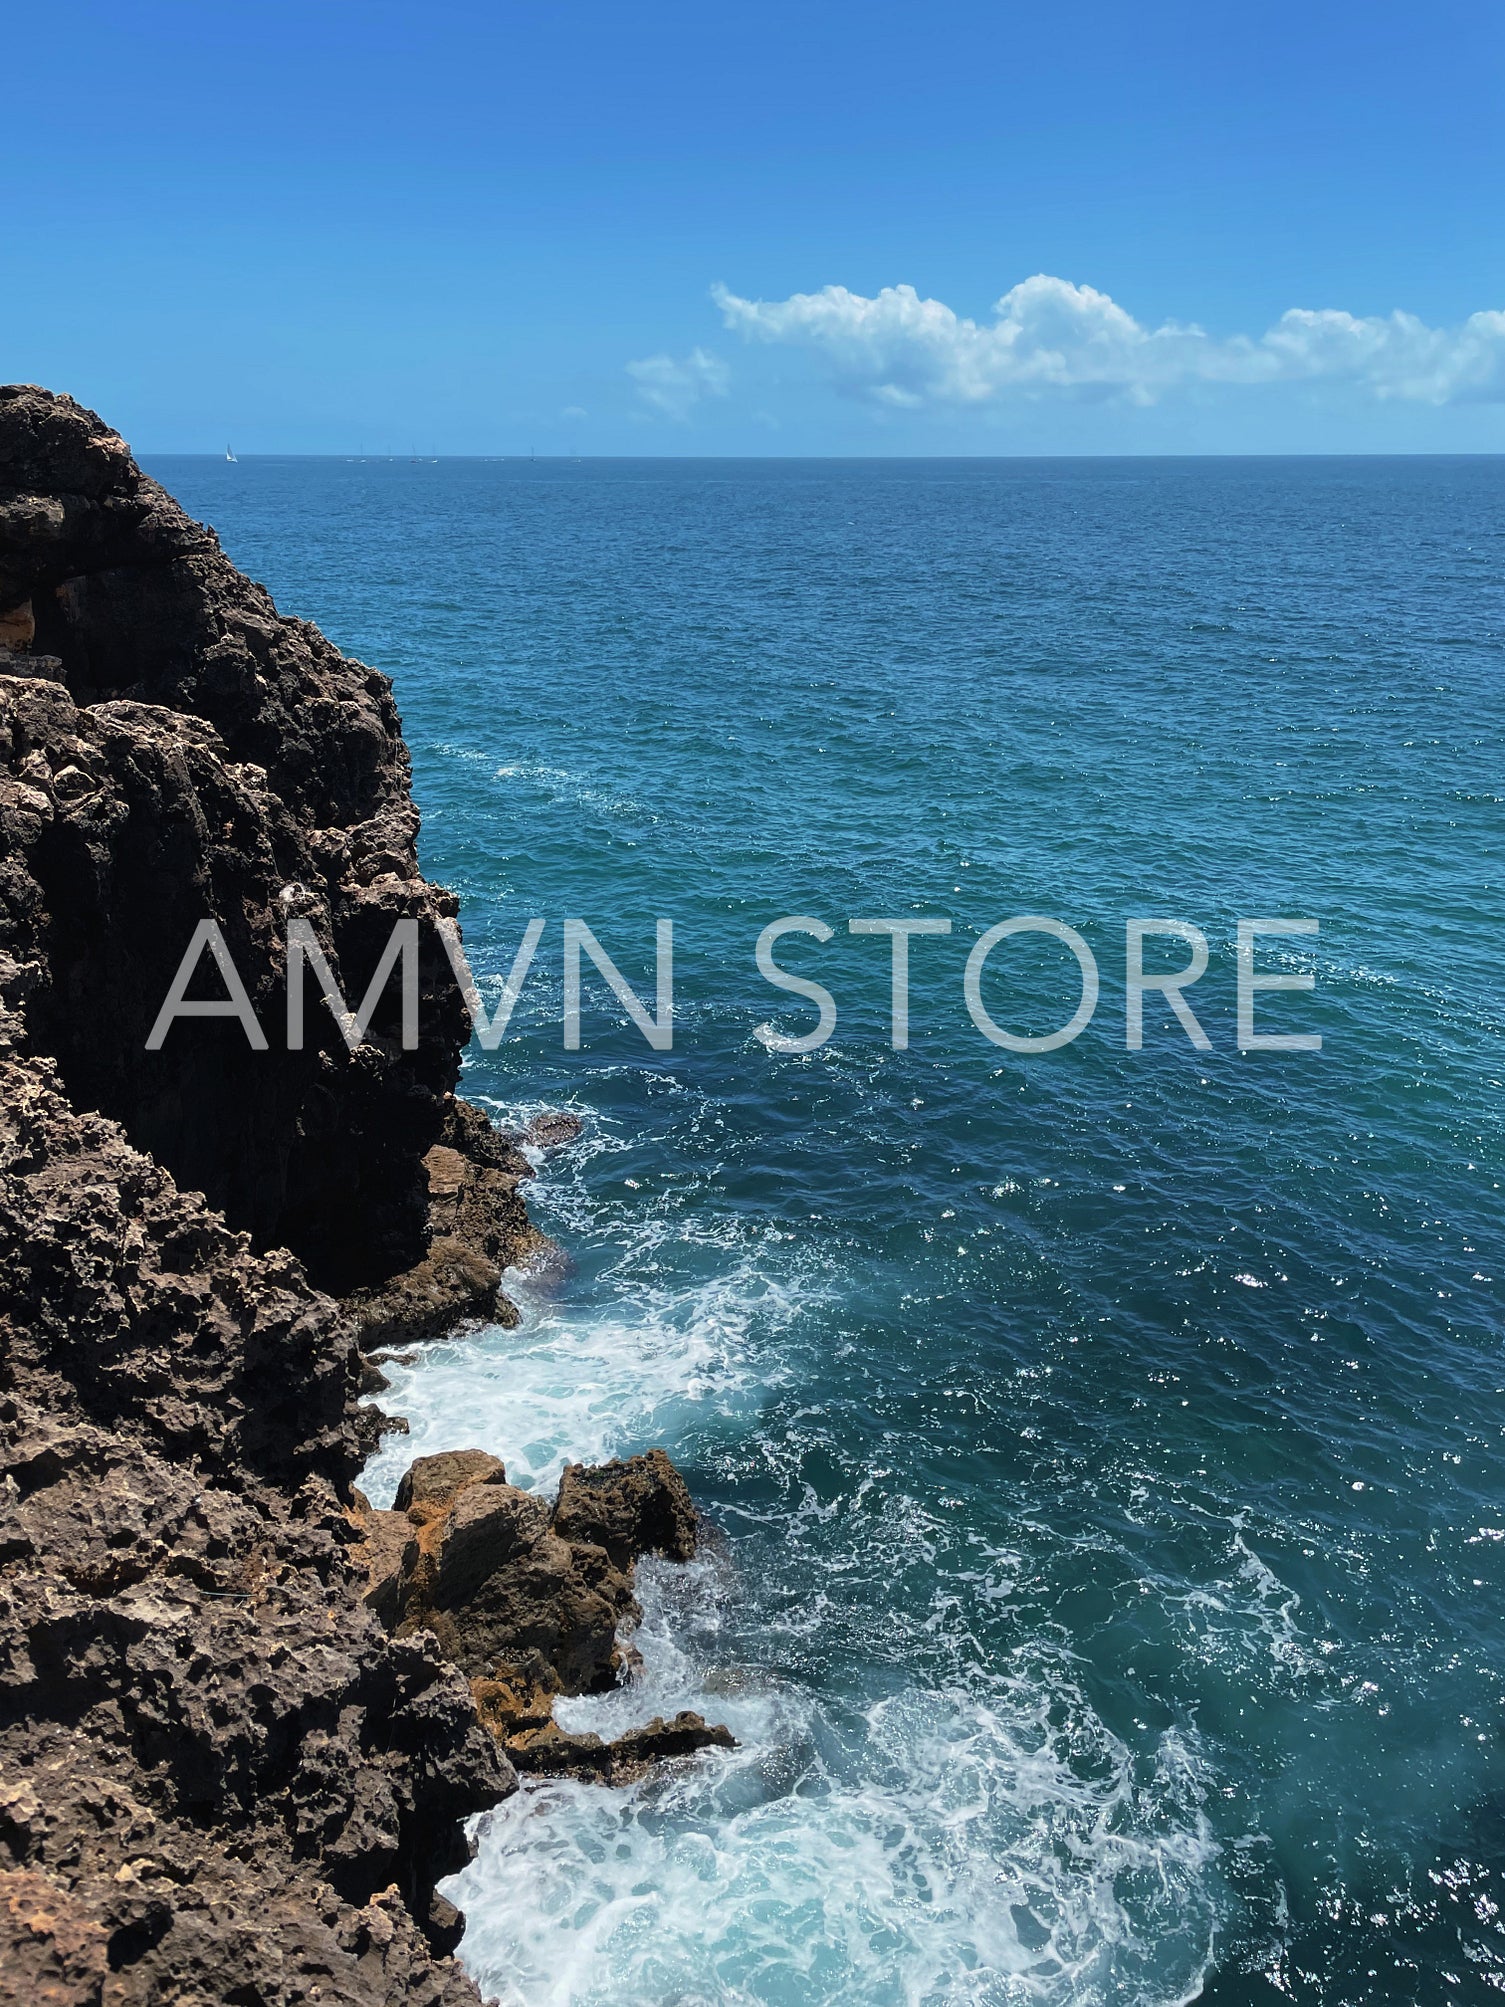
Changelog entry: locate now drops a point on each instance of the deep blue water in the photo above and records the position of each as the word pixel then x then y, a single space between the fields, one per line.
pixel 1109 1446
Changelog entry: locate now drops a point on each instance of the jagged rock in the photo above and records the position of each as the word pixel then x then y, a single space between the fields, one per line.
pixel 380 1553
pixel 205 757
pixel 528 1599
pixel 185 1665
pixel 454 1284
pixel 57 1953
pixel 237 1740
pixel 479 1203
pixel 642 1506
pixel 220 1778
pixel 373 1379
pixel 18 627
pixel 477 1225
pixel 519 1712
pixel 491 1579
pixel 431 1482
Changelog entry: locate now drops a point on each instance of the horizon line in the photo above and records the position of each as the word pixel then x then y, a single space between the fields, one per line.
pixel 429 459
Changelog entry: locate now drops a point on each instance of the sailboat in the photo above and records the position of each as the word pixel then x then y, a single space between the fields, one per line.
pixel 229 455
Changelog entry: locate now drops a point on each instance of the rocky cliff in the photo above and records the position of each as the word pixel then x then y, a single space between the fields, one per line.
pixel 220 1778
pixel 179 750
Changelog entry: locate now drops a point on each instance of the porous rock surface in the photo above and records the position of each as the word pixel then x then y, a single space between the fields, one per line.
pixel 477 1224
pixel 530 1600
pixel 221 1779
pixel 175 750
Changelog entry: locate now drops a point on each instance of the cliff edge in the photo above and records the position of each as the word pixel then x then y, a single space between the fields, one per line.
pixel 220 1777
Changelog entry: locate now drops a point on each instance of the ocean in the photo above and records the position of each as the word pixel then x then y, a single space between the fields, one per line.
pixel 1105 1449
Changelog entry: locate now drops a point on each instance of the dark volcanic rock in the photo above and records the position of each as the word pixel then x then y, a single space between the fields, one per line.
pixel 642 1506
pixel 477 1224
pixel 208 1750
pixel 190 753
pixel 220 1778
pixel 453 1284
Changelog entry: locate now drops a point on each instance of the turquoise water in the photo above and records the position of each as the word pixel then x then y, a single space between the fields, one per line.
pixel 1107 1448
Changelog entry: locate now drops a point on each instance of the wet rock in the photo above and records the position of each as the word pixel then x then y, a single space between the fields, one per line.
pixel 639 1507
pixel 372 1423
pixel 551 1131
pixel 518 1711
pixel 529 1600
pixel 373 1379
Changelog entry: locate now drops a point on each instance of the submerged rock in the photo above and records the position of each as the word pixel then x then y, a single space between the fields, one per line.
pixel 553 1130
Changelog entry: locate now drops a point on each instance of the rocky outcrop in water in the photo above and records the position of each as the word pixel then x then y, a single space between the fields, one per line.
pixel 220 1777
pixel 530 1600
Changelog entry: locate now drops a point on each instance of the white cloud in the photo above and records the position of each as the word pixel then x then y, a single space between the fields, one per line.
pixel 574 411
pixel 674 385
pixel 1048 334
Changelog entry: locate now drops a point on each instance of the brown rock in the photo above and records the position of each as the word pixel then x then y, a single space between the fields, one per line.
pixel 447 1172
pixel 191 754
pixel 216 1760
pixel 529 1601
pixel 453 1284
pixel 18 627
pixel 431 1482
pixel 640 1750
pixel 473 1191
pixel 222 1778
pixel 518 1711
pixel 380 1553
pixel 494 1583
pixel 373 1379
pixel 642 1506
pixel 53 1952
pixel 476 1224
pixel 490 1528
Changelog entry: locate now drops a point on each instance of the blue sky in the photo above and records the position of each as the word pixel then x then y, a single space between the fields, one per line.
pixel 484 229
